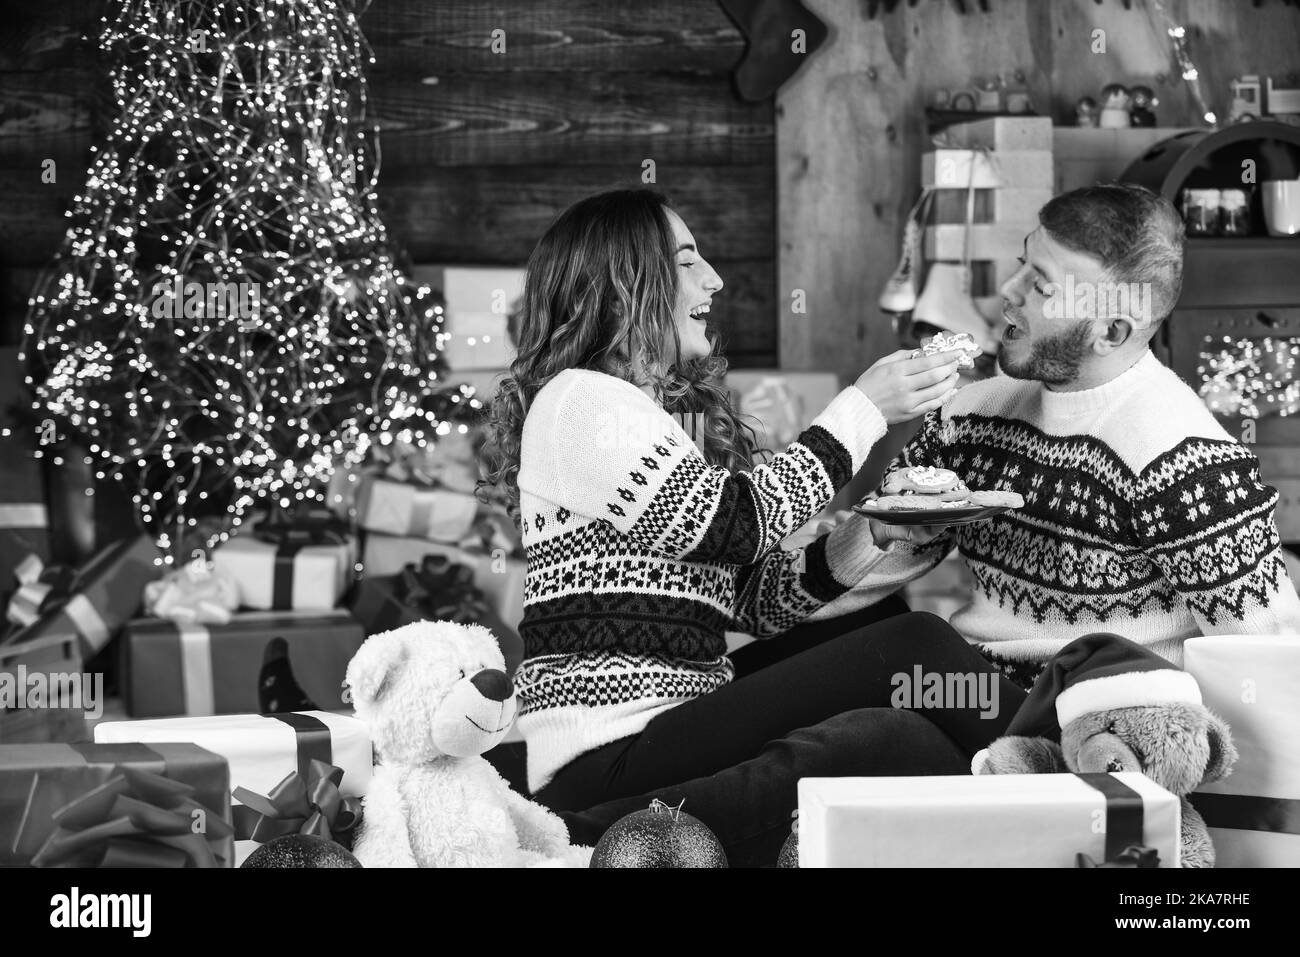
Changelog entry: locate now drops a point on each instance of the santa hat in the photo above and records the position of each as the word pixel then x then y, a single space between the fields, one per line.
pixel 1096 673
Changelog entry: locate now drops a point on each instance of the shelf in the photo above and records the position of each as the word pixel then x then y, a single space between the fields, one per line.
pixel 1239 243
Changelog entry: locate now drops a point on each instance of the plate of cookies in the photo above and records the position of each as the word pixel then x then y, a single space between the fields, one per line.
pixel 927 495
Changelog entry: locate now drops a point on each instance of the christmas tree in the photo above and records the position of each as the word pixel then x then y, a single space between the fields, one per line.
pixel 225 322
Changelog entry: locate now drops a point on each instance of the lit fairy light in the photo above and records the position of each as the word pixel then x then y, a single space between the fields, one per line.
pixel 241 161
pixel 1253 378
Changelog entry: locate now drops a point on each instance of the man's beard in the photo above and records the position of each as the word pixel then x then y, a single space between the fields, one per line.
pixel 1055 361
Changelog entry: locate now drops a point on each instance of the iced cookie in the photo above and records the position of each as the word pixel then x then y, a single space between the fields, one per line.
pixel 959 342
pixel 901 503
pixel 988 499
pixel 925 480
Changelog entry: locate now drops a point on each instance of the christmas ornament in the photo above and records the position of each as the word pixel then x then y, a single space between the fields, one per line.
pixel 300 851
pixel 661 836
pixel 1143 100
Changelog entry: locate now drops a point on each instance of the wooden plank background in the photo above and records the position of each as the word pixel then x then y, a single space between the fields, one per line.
pixel 850 131
pixel 480 150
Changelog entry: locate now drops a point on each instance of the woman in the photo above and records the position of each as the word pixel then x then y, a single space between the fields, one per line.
pixel 644 547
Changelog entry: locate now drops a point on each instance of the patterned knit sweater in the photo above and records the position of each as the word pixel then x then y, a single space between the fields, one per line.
pixel 640 556
pixel 1142 517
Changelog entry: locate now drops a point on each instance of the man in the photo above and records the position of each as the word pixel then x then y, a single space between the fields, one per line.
pixel 1142 515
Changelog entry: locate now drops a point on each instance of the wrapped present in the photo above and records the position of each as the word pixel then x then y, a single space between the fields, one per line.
pixel 1253 683
pixel 195 594
pixel 996 820
pixel 399 508
pixel 435 589
pixel 100 597
pixel 263 749
pixel 114 805
pixel 499 575
pixel 784 401
pixel 186 668
pixel 61 715
pixel 300 804
pixel 307 563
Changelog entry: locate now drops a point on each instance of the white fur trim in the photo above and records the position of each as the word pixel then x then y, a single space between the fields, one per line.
pixel 1130 690
pixel 977 763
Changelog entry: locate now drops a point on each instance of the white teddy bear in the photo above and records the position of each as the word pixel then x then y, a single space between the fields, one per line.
pixel 435 696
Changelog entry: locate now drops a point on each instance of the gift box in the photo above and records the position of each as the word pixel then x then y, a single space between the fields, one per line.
pixel 1253 683
pixel 114 805
pixel 172 668
pixel 399 508
pixel 262 750
pixel 998 820
pixel 289 566
pixel 784 402
pixel 31 715
pixel 499 575
pixel 101 596
pixel 433 590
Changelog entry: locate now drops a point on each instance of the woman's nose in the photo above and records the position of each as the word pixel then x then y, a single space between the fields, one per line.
pixel 714 282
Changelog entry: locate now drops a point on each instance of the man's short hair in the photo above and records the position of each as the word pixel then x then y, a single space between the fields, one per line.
pixel 1136 234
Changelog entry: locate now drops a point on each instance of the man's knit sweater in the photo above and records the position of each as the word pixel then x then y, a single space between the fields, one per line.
pixel 640 556
pixel 1142 517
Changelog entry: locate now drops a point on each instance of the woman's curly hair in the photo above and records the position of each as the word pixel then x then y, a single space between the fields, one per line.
pixel 600 294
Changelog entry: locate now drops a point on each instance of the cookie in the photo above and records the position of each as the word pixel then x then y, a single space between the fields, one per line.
pixel 959 342
pixel 993 498
pixel 925 480
pixel 901 503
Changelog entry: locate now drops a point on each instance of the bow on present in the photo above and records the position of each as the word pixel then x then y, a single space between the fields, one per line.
pixel 195 594
pixel 310 529
pixel 442 590
pixel 40 588
pixel 491 531
pixel 779 409
pixel 449 462
pixel 135 819
pixel 1135 855
pixel 296 806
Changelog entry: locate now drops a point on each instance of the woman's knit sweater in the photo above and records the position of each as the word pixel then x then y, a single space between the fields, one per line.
pixel 640 556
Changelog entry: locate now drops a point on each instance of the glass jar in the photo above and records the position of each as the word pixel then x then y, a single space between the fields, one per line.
pixel 1234 213
pixel 1201 211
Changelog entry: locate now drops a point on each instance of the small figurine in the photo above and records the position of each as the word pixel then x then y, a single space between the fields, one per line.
pixel 1140 110
pixel 1085 112
pixel 1114 107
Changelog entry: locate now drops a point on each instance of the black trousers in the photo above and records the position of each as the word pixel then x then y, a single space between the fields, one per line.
pixel 822 700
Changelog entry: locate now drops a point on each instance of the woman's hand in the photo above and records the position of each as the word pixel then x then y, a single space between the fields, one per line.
pixel 903 388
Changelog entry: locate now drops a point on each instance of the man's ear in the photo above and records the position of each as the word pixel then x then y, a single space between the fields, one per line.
pixel 1118 331
pixel 372 669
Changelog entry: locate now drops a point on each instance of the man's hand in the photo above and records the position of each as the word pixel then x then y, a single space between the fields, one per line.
pixel 884 533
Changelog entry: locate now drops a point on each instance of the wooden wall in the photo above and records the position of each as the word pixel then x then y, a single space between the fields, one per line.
pixel 850 131
pixel 480 149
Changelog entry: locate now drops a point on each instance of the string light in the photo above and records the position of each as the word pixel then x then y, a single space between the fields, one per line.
pixel 1252 378
pixel 224 325
pixel 1178 33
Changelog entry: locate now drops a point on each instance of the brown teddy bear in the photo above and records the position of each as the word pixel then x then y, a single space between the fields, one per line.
pixel 1115 706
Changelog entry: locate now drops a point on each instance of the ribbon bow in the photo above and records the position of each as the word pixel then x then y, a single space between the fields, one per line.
pixel 296 806
pixel 310 529
pixel 195 594
pixel 781 411
pixel 492 530
pixel 442 590
pixel 135 819
pixel 1135 855
pixel 40 588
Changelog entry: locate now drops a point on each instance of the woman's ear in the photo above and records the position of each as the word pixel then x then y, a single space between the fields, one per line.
pixel 1223 753
pixel 372 668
